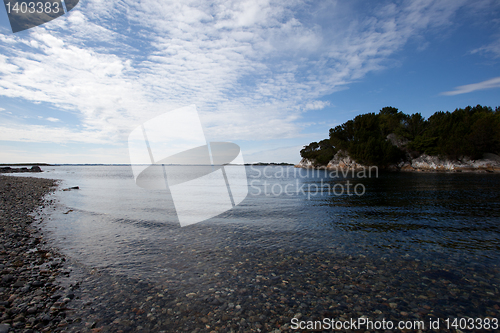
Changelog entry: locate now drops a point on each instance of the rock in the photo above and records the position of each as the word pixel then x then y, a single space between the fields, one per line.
pixel 7 278
pixel 4 328
pixel 26 302
pixel 18 284
pixel 305 164
pixel 35 168
pixel 397 141
pixel 343 161
pixel 37 284
pixel 71 188
pixel 19 318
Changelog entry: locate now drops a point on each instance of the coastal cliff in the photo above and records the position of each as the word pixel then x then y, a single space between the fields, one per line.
pixel 423 163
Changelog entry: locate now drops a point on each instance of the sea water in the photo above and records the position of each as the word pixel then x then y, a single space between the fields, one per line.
pixel 112 224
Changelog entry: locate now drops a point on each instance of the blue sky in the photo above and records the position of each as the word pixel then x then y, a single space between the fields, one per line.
pixel 271 76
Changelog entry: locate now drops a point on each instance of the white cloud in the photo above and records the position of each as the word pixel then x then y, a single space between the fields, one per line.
pixel 2 109
pixel 492 48
pixel 50 153
pixel 251 67
pixel 316 105
pixel 488 84
pixel 38 133
pixel 52 119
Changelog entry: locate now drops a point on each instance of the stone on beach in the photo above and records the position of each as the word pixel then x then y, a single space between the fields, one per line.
pixel 28 265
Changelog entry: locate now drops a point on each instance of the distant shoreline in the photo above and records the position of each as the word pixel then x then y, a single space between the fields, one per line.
pixel 119 164
pixel 272 163
pixel 26 164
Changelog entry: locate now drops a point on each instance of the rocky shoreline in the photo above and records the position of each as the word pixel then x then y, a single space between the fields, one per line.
pixel 34 168
pixel 490 163
pixel 31 298
pixel 245 289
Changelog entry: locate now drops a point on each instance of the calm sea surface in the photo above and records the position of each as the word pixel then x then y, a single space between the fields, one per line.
pixel 114 224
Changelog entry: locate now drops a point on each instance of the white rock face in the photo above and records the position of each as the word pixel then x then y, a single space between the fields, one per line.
pixel 397 141
pixel 305 163
pixel 343 161
pixel 340 161
pixel 489 163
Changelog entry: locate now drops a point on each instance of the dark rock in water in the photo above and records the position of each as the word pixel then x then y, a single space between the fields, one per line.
pixel 71 188
pixel 35 168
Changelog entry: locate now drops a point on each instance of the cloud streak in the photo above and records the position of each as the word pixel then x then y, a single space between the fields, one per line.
pixel 488 84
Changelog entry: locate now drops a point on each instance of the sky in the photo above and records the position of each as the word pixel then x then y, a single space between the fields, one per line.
pixel 270 76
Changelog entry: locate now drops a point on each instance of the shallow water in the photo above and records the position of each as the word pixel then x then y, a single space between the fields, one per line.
pixel 409 230
pixel 114 223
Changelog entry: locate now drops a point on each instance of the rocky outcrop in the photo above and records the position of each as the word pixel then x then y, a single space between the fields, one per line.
pixel 342 161
pixel 35 168
pixel 489 163
pixel 305 164
pixel 423 163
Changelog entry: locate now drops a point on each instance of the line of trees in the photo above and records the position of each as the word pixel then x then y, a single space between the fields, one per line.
pixel 468 132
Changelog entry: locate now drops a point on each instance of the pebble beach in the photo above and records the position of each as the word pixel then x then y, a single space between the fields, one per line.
pixel 244 289
pixel 30 298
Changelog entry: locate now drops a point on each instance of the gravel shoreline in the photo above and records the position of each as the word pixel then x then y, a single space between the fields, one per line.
pixel 245 289
pixel 31 300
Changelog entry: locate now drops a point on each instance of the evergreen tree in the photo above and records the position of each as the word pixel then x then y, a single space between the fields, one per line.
pixel 468 132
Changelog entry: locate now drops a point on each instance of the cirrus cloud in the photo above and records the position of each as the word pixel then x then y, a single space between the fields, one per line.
pixel 487 84
pixel 252 67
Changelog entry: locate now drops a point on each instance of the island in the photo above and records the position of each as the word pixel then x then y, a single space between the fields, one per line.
pixel 464 140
